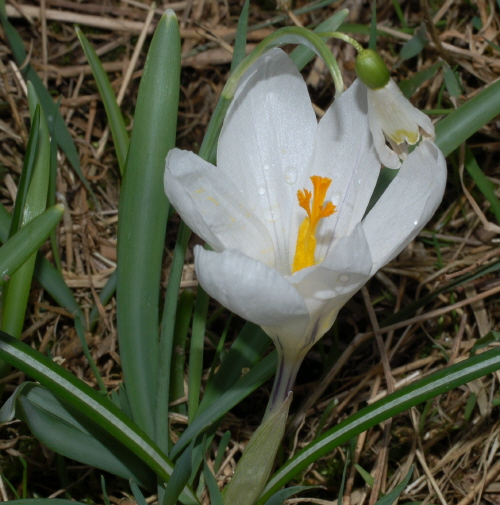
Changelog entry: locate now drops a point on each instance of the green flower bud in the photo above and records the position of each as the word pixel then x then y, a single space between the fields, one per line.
pixel 371 69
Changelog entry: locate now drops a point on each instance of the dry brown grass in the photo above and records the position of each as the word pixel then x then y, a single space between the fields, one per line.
pixel 456 459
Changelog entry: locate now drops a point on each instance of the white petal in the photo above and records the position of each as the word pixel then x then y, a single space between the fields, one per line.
pixel 392 116
pixel 212 207
pixel 407 204
pixel 387 156
pixel 253 291
pixel 266 143
pixel 327 287
pixel 344 152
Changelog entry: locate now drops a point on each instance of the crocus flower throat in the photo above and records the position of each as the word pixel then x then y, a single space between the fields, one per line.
pixel 306 237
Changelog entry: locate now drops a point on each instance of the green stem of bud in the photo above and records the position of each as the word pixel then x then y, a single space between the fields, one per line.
pixel 344 37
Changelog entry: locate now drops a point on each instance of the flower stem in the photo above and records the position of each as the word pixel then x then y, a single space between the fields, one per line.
pixel 288 366
pixel 344 37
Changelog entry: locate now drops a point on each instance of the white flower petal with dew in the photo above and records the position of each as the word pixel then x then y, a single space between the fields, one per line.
pixel 253 290
pixel 266 143
pixel 406 205
pixel 247 210
pixel 393 118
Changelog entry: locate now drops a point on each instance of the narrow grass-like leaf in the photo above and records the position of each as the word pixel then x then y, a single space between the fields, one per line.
pixel 302 55
pixel 281 496
pixel 237 391
pixel 70 433
pixel 50 279
pixel 240 41
pixel 457 127
pixel 469 407
pixel 391 497
pixel 415 45
pixel 12 488
pixel 5 219
pixel 366 476
pixel 26 241
pixel 181 329
pixel 213 487
pixel 34 188
pixel 143 211
pixel 115 118
pixel 410 396
pixel 245 352
pixel 167 337
pixel 344 474
pixel 86 352
pixel 221 449
pixel 451 81
pixel 104 296
pixel 26 174
pixel 196 351
pixel 52 282
pixel 409 86
pixel 373 27
pixel 105 493
pixel 400 14
pixel 179 478
pixel 91 403
pixel 483 184
pixel 139 497
pixel 52 113
pixel 51 195
pixel 492 336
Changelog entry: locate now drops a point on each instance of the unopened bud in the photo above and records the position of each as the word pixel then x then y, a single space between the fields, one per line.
pixel 371 69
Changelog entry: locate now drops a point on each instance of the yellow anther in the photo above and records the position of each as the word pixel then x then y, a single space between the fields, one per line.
pixel 306 238
pixel 400 136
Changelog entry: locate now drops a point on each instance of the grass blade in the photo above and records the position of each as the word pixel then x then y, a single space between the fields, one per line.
pixel 143 212
pixel 115 118
pixel 482 183
pixel 26 241
pixel 33 190
pixel 170 314
pixel 410 396
pixel 47 275
pixel 91 403
pixel 235 394
pixel 196 351
pixel 458 126
pixel 52 281
pixel 240 42
pixel 54 118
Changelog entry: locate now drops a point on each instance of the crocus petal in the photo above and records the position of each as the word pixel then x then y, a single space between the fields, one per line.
pixel 344 152
pixel 392 116
pixel 406 205
pixel 267 141
pixel 252 290
pixel 212 207
pixel 328 286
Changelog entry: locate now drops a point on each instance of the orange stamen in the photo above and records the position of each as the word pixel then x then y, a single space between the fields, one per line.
pixel 306 237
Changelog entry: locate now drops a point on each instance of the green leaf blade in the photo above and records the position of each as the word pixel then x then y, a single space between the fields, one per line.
pixel 115 118
pixel 143 211
pixel 410 396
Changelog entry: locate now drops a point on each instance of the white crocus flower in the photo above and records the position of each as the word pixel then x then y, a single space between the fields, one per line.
pixel 284 209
